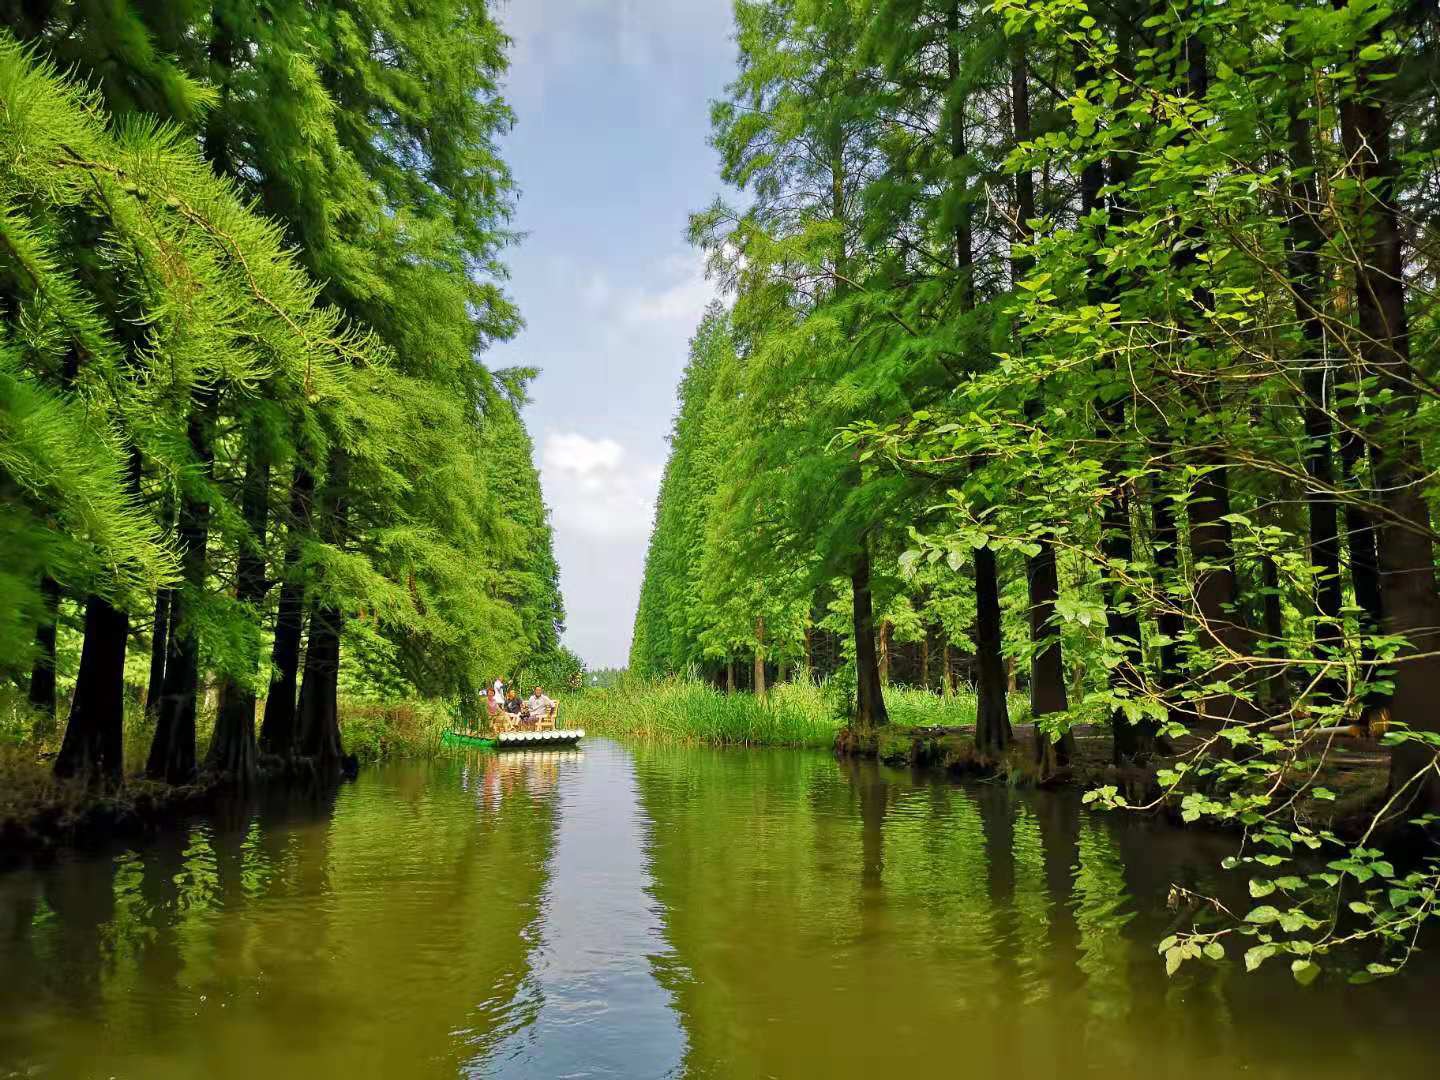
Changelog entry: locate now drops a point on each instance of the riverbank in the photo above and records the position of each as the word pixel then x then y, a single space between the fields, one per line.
pixel 931 732
pixel 799 715
pixel 40 814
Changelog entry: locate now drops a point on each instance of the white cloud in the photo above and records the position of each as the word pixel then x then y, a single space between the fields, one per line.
pixel 594 490
pixel 681 301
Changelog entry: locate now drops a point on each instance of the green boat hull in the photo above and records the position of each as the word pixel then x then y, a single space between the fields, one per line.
pixel 514 740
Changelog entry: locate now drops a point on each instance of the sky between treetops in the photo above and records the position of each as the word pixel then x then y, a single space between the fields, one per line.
pixel 611 155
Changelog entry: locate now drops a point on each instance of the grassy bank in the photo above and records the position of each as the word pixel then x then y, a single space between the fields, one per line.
pixel 792 714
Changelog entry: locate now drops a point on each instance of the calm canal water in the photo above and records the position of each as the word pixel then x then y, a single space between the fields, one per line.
pixel 633 912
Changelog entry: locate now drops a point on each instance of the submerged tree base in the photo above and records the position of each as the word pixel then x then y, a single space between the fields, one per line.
pixel 1359 780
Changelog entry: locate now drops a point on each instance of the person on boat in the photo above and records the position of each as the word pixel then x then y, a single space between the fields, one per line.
pixel 512 702
pixel 539 704
pixel 492 703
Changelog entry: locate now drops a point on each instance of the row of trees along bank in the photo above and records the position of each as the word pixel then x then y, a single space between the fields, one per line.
pixel 249 265
pixel 1098 337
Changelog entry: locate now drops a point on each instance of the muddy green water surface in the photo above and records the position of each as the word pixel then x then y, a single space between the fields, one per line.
pixel 633 912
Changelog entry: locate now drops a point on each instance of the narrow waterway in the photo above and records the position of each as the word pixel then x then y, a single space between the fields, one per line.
pixel 636 912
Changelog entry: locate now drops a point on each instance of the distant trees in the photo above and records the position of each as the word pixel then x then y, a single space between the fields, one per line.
pixel 249 276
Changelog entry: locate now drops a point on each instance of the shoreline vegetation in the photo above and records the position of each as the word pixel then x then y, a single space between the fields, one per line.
pixel 790 714
pixel 42 813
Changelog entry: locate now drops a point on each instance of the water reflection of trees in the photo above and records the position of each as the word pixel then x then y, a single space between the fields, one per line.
pixel 379 930
pixel 833 920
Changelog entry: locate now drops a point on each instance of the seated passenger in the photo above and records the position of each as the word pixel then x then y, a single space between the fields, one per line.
pixel 512 703
pixel 540 705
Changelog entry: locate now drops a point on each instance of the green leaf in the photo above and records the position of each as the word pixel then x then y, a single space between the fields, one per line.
pixel 1263 915
pixel 1305 971
pixel 1257 955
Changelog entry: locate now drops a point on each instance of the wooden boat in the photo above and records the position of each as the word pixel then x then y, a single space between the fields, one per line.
pixel 514 740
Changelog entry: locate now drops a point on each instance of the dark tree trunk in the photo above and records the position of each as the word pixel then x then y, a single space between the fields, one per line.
pixel 729 676
pixel 95 734
pixel 1169 622
pixel 1133 741
pixel 1222 624
pixel 1306 242
pixel 1406 555
pixel 1222 621
pixel 1361 531
pixel 869 695
pixel 318 730
pixel 42 675
pixel 925 659
pixel 172 752
pixel 159 648
pixel 1047 665
pixel 94 744
pixel 277 734
pixel 1277 690
pixel 992 714
pixel 232 747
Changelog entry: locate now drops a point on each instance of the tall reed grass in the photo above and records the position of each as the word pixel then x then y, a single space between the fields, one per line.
pixel 792 714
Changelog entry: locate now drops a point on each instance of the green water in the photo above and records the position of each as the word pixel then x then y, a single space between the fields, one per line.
pixel 623 912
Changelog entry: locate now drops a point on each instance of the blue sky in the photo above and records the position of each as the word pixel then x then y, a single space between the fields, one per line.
pixel 610 153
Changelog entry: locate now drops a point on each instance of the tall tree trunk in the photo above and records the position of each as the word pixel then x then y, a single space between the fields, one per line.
pixel 95 733
pixel 318 723
pixel 1047 662
pixel 1361 534
pixel 1047 666
pixel 760 656
pixel 925 659
pixel 159 649
pixel 992 714
pixel 42 674
pixel 232 750
pixel 317 734
pixel 809 656
pixel 1217 598
pixel 947 680
pixel 1169 622
pixel 869 695
pixel 277 733
pixel 94 744
pixel 1306 242
pixel 1277 690
pixel 1406 554
pixel 1137 741
pixel 172 751
pixel 882 643
pixel 1222 623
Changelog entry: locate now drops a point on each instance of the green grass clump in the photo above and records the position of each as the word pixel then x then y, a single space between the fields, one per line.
pixel 373 730
pixel 690 711
pixel 793 714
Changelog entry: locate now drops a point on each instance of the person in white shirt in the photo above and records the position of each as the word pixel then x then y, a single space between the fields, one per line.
pixel 538 704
